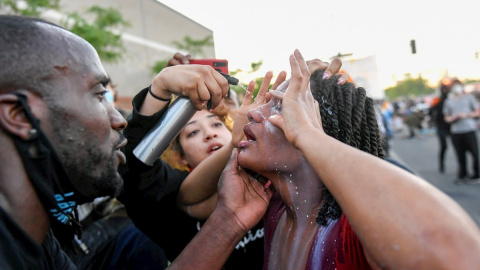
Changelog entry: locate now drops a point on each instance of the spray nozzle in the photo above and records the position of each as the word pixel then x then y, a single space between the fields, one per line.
pixel 231 80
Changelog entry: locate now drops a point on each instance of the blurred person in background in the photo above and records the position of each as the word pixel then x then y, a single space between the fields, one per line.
pixel 460 109
pixel 443 128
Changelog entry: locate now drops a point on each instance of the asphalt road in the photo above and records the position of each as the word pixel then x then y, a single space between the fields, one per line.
pixel 421 156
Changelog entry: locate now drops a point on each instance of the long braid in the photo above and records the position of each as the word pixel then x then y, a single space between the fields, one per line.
pixel 365 134
pixel 371 122
pixel 347 115
pixel 359 97
pixel 347 110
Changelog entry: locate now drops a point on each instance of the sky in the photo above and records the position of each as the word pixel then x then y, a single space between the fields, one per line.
pixel 446 33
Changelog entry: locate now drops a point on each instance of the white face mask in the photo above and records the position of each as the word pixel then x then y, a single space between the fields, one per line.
pixel 457 89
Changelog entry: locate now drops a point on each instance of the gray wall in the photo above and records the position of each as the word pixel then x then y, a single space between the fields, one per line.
pixel 154 27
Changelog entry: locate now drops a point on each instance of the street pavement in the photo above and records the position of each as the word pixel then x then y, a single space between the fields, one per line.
pixel 421 156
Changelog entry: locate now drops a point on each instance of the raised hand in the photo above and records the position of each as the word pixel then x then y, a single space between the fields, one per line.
pixel 248 104
pixel 299 109
pixel 241 195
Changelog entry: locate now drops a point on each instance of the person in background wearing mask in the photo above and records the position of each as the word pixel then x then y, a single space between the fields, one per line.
pixel 443 128
pixel 460 109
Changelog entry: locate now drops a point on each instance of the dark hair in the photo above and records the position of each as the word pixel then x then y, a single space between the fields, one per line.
pixel 27 52
pixel 348 115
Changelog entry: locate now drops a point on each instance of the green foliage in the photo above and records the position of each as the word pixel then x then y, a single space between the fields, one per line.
pixel 159 65
pixel 194 46
pixel 109 45
pixel 409 87
pixel 31 8
pixel 256 66
pixel 258 81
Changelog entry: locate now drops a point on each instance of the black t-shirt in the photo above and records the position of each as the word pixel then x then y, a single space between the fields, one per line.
pixel 150 196
pixel 19 251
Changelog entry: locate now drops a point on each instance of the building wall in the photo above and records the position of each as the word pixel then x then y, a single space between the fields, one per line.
pixel 150 37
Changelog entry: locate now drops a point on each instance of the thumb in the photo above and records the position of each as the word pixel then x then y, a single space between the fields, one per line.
pixel 277 120
pixel 232 162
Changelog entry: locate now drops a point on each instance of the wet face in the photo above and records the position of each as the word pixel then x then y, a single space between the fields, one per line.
pixel 202 136
pixel 266 149
pixel 82 125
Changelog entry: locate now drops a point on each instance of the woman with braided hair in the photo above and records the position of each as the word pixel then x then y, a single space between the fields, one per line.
pixel 338 204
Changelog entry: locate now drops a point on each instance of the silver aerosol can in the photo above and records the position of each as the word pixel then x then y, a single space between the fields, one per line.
pixel 168 127
pixel 162 134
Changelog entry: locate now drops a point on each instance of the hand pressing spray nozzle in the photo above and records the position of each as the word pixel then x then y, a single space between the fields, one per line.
pixel 169 126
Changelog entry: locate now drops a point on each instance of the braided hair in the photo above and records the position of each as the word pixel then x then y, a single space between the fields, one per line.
pixel 348 115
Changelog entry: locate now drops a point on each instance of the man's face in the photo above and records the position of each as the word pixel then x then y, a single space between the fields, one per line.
pixel 204 134
pixel 82 126
pixel 267 150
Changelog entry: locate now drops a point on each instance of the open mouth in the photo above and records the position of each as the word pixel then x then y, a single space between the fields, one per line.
pixel 248 133
pixel 214 147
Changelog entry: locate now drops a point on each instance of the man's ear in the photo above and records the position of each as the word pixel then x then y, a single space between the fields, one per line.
pixel 12 117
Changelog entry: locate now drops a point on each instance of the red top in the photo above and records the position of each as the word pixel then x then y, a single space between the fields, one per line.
pixel 335 246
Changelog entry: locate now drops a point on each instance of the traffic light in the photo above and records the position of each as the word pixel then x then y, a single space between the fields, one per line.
pixel 412 46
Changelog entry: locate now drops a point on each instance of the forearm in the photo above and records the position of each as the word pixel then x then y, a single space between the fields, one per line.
pixel 201 183
pixel 201 210
pixel 212 245
pixel 401 220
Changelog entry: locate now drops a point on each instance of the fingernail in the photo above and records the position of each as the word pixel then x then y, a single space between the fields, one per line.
pixel 325 75
pixel 340 81
pixel 267 184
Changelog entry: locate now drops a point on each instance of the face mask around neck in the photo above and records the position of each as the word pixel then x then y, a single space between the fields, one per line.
pixel 48 175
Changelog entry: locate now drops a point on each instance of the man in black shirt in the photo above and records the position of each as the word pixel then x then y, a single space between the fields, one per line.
pixel 61 144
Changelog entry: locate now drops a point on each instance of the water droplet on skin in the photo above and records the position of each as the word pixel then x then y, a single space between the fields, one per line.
pixel 307 216
pixel 290 176
pixel 305 200
pixel 297 193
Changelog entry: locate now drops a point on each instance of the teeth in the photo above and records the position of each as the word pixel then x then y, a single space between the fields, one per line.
pixel 215 148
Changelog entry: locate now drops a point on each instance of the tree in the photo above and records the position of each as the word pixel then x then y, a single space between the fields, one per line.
pixel 409 87
pixel 108 44
pixel 192 46
pixel 31 8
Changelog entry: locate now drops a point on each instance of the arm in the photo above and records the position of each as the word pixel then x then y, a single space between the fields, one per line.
pixel 242 203
pixel 402 221
pixel 197 194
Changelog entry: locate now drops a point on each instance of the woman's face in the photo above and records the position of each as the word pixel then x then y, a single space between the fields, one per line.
pixel 266 149
pixel 203 136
